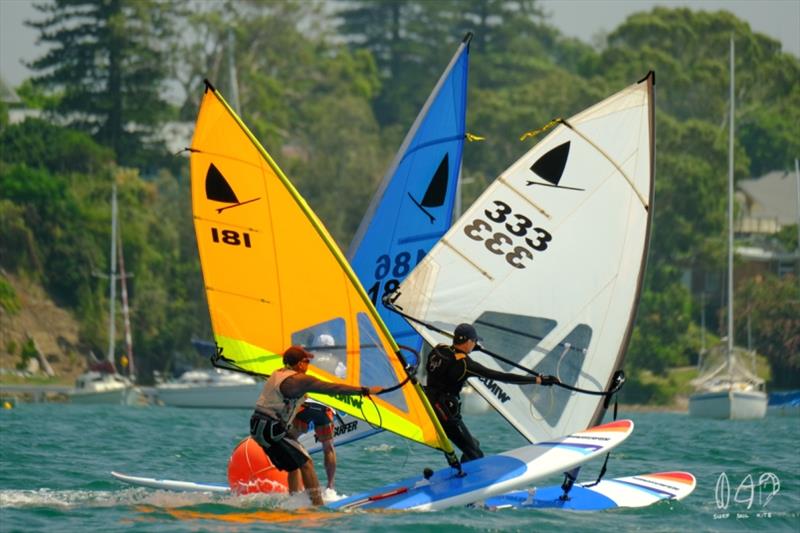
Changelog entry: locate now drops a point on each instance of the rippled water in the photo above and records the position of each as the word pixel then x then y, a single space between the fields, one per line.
pixel 55 461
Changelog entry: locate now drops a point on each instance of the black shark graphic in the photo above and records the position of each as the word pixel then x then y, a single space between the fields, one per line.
pixel 437 189
pixel 550 167
pixel 219 190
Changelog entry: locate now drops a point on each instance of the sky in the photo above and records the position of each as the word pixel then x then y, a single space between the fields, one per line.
pixel 583 19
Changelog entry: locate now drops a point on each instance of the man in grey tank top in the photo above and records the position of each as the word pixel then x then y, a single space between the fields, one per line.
pixel 280 400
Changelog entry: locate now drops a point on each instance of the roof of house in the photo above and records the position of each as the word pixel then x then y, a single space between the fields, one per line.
pixel 773 195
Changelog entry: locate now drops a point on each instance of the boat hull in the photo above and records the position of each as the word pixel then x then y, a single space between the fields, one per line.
pixel 729 404
pixel 121 396
pixel 219 396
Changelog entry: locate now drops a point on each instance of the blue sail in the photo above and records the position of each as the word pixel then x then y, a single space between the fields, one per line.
pixel 413 206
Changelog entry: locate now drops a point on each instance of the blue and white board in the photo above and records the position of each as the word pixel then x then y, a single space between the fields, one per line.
pixel 492 475
pixel 631 491
pixel 171 484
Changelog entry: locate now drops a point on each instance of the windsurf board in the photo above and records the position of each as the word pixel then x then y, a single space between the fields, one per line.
pixel 492 475
pixel 171 484
pixel 631 491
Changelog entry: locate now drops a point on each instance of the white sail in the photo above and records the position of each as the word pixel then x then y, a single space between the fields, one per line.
pixel 548 264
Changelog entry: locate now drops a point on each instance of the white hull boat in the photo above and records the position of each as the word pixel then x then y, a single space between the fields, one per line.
pixel 102 388
pixel 210 389
pixel 729 404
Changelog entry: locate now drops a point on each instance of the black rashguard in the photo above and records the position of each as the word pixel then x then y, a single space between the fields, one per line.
pixel 447 372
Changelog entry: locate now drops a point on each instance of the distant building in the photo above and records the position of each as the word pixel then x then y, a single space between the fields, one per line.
pixel 769 203
pixel 765 206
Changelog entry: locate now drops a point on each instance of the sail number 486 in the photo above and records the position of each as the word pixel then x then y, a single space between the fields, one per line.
pixel 232 237
pixel 398 267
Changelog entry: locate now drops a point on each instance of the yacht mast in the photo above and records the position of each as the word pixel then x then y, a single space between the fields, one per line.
pixel 112 276
pixel 730 216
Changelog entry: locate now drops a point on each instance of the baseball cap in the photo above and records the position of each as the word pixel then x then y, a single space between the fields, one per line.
pixel 295 354
pixel 465 332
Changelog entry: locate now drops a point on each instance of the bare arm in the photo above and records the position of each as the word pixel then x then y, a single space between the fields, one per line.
pixel 300 384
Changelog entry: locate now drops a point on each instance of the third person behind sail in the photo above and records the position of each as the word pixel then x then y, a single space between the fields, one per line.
pixel 448 368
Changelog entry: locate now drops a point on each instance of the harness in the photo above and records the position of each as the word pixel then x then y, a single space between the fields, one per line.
pixel 274 411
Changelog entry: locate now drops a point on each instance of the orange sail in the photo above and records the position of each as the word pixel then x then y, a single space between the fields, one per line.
pixel 274 277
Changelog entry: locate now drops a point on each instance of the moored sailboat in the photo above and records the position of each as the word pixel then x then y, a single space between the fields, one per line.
pixel 103 384
pixel 729 391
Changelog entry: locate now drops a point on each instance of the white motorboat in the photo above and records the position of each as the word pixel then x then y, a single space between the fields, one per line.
pixel 210 388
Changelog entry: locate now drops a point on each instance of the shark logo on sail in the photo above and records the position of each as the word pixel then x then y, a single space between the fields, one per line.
pixel 550 167
pixel 436 192
pixel 219 190
pixel 495 389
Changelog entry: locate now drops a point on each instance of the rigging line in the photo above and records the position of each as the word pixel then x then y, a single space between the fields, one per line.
pixel 364 416
pixel 389 304
pixel 605 463
pixel 572 476
pixel 612 161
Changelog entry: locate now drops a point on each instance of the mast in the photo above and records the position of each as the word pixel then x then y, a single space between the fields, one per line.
pixel 126 311
pixel 112 275
pixel 730 217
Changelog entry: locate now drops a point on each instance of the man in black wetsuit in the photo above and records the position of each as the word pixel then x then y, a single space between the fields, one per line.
pixel 448 368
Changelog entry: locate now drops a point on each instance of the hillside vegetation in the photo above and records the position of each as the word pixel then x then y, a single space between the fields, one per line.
pixel 331 98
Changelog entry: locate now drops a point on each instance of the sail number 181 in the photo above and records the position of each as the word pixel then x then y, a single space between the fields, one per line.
pixel 232 237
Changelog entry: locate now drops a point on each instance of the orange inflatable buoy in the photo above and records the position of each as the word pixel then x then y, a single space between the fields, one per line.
pixel 250 470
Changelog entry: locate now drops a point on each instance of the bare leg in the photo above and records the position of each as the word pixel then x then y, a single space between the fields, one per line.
pixel 330 461
pixel 295 483
pixel 311 482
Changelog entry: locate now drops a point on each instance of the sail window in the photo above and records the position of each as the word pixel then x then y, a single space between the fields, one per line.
pixel 514 336
pixel 565 360
pixel 375 366
pixel 328 342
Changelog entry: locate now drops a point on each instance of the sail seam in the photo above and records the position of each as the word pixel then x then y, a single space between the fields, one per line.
pixel 467 259
pixel 504 181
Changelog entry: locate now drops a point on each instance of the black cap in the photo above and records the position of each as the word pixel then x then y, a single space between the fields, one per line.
pixel 295 354
pixel 465 332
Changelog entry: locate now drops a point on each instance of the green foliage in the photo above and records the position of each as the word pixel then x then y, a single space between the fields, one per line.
pixel 9 301
pixel 27 353
pixel 18 248
pixel 332 115
pixel 772 305
pixel 788 237
pixel 108 62
pixel 39 143
pixel 3 115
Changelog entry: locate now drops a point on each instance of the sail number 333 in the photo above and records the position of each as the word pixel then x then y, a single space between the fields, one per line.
pixel 517 226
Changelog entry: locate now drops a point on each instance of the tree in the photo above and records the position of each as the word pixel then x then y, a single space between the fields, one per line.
pixel 772 306
pixel 108 63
